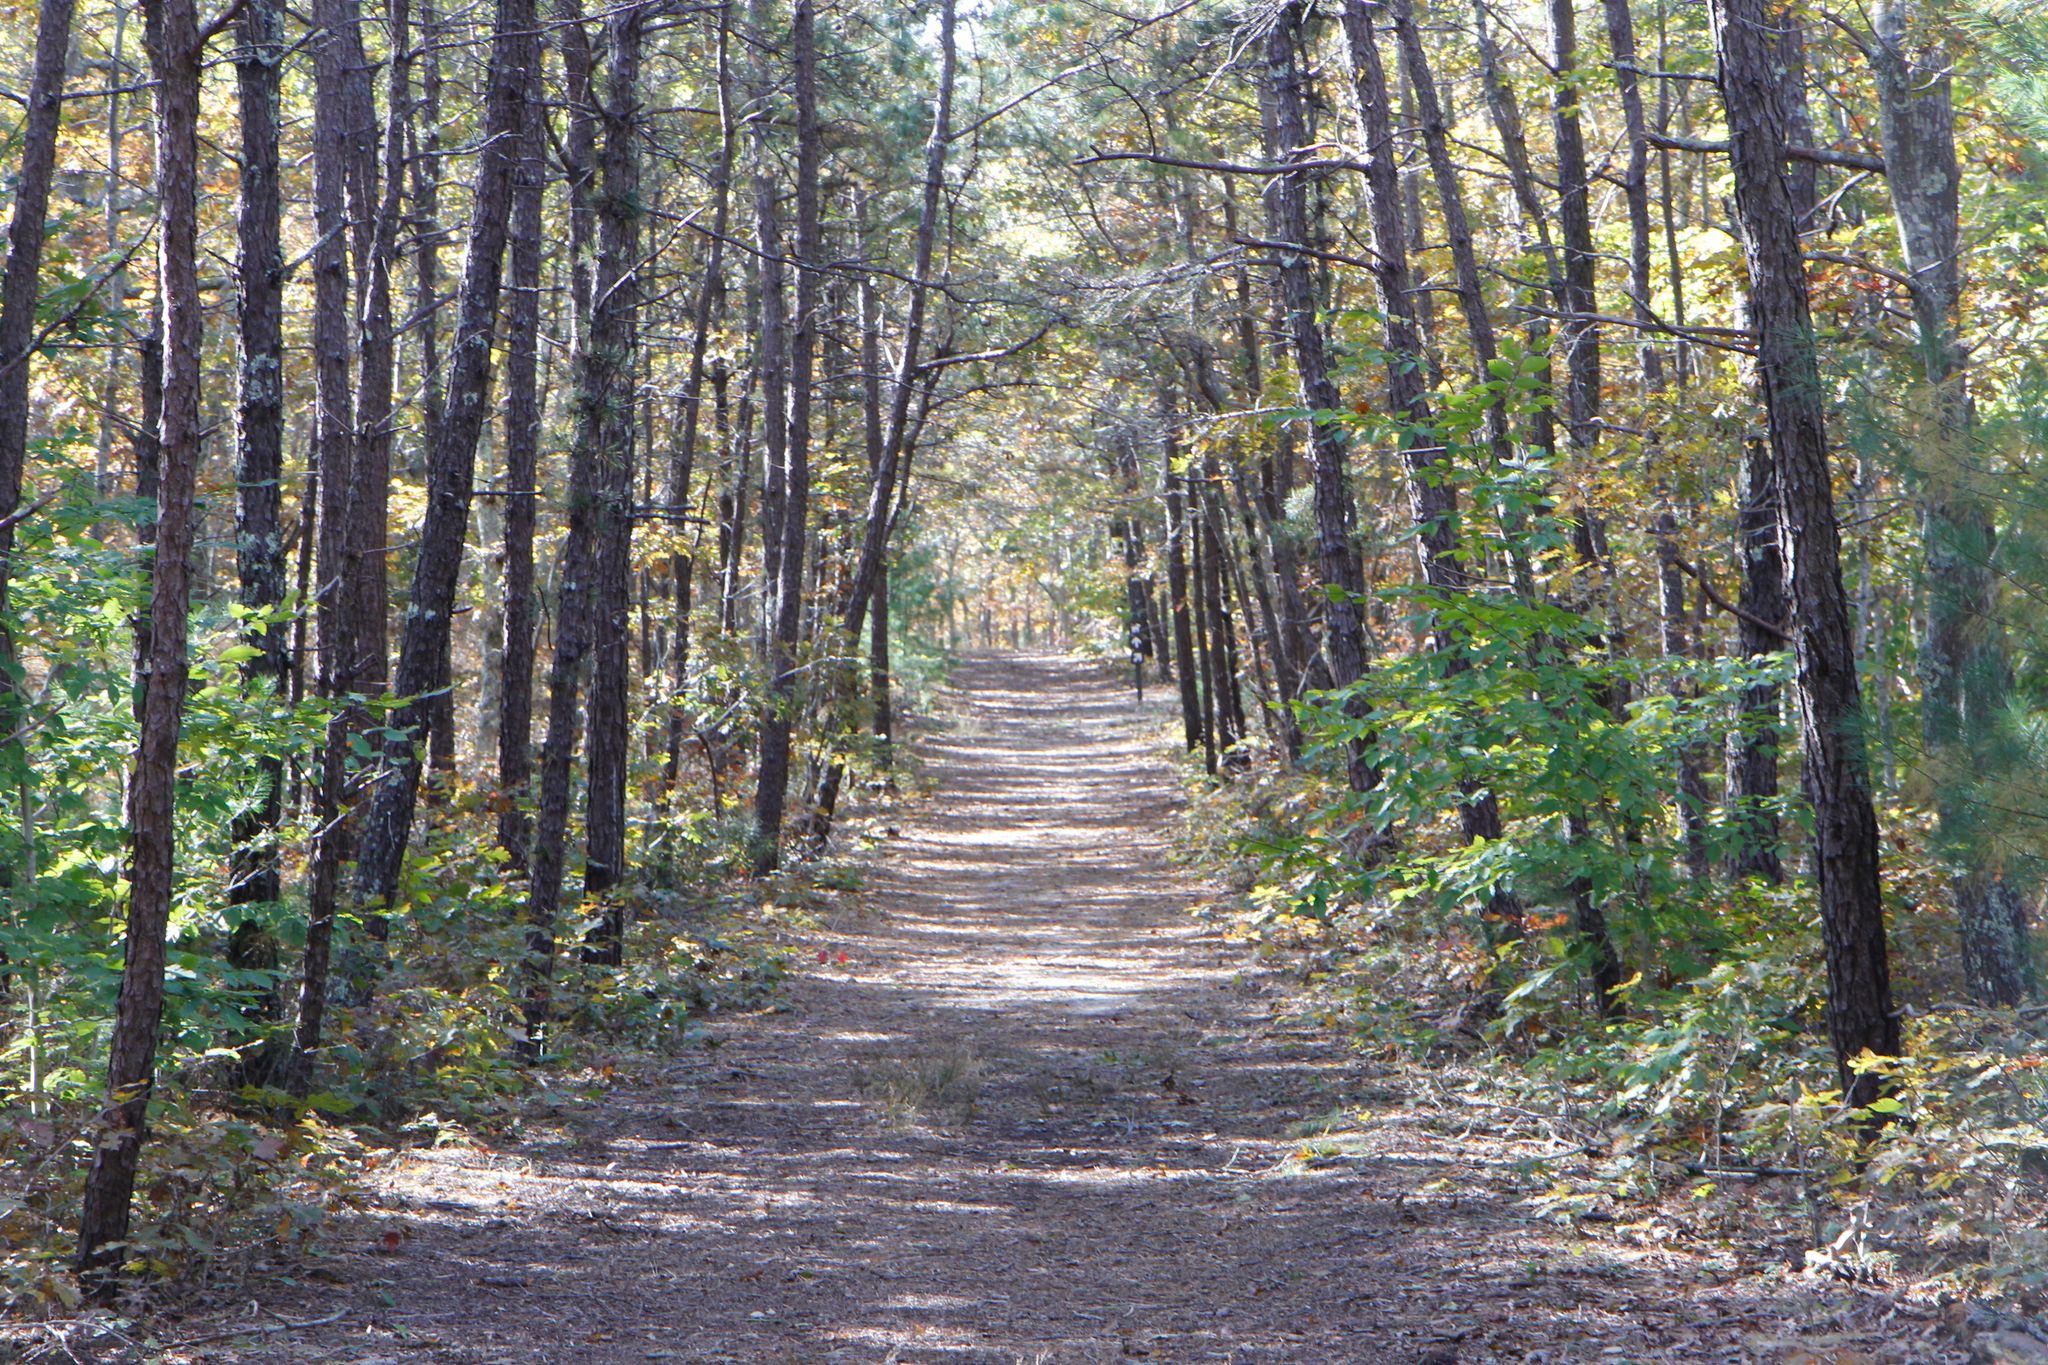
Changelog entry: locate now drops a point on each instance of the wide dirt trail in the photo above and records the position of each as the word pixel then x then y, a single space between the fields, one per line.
pixel 1040 1115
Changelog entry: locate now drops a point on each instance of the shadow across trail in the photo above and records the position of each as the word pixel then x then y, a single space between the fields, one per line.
pixel 1041 1114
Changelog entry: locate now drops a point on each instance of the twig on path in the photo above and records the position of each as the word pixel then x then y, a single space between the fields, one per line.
pixel 1744 1172
pixel 263 1328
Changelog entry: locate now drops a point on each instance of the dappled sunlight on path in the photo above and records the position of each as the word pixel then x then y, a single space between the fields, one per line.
pixel 1041 1115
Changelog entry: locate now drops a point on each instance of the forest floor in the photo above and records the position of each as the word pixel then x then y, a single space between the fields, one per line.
pixel 1041 1113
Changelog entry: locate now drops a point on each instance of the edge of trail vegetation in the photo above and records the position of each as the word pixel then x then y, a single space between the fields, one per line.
pixel 1704 1112
pixel 244 1180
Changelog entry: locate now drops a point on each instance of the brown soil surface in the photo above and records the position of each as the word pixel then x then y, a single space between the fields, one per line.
pixel 1043 1114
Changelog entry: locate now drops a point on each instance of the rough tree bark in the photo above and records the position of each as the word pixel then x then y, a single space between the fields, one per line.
pixel 19 285
pixel 522 458
pixel 618 280
pixel 792 525
pixel 1861 1017
pixel 604 377
pixel 334 454
pixel 771 792
pixel 171 30
pixel 370 507
pixel 259 429
pixel 451 465
pixel 1343 575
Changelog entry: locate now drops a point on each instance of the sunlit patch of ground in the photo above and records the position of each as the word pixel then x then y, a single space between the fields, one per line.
pixel 1041 1115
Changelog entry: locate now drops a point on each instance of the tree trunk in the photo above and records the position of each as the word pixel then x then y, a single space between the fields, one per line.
pixel 600 487
pixel 889 468
pixel 1690 796
pixel 607 745
pixel 1966 678
pixel 20 287
pixel 20 291
pixel 1435 131
pixel 732 507
pixel 522 458
pixel 579 161
pixel 1218 567
pixel 1198 616
pixel 172 35
pixel 1185 666
pixel 881 685
pixel 1753 743
pixel 883 499
pixel 148 474
pixel 1287 221
pixel 682 466
pixel 1861 1017
pixel 1788 29
pixel 771 793
pixel 370 528
pixel 255 878
pixel 1276 590
pixel 117 283
pixel 1506 113
pixel 334 446
pixel 1621 42
pixel 613 331
pixel 451 467
pixel 425 220
pixel 1432 490
pixel 1578 335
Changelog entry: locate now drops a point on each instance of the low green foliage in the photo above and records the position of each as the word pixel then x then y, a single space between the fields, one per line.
pixel 420 1034
pixel 1717 1075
